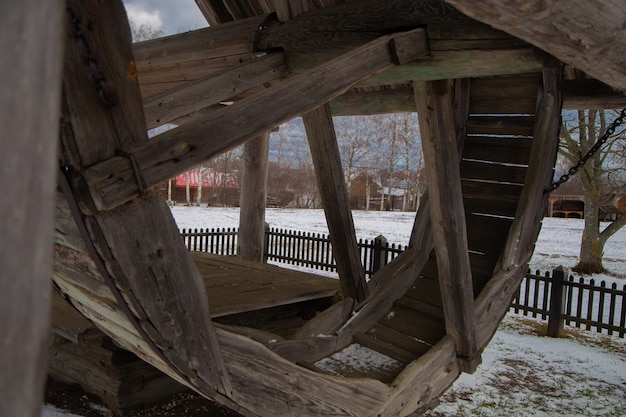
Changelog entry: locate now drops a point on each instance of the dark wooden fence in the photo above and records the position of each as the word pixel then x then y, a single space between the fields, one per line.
pixel 577 302
pixel 310 250
pixel 550 296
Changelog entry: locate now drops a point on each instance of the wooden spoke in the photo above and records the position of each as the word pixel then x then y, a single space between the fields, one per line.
pixel 335 200
pixel 440 127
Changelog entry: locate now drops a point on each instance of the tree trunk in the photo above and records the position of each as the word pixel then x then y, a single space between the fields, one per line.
pixel 591 246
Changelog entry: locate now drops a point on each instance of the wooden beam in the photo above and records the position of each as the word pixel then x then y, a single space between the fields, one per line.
pixel 442 65
pixel 253 197
pixel 357 103
pixel 336 202
pixel 585 34
pixel 112 181
pixel 191 97
pixel 137 246
pixel 439 128
pixel 591 94
pixel 30 72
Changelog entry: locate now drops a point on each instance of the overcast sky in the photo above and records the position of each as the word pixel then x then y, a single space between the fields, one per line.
pixel 173 16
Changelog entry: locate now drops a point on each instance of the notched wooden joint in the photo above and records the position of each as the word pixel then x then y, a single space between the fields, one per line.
pixel 409 46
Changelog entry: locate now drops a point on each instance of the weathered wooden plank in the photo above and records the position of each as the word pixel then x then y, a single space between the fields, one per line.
pixel 422 381
pixel 415 324
pixel 441 65
pixel 439 128
pixel 399 276
pixel 407 343
pixel 328 321
pixel 487 171
pixel 191 97
pixel 564 30
pixel 491 148
pixel 493 301
pixel 113 182
pixel 591 94
pixel 496 191
pixel 336 202
pixel 30 70
pixel 251 240
pixel 271 385
pixel 490 206
pixel 502 126
pixel 384 347
pixel 420 306
pixel 533 200
pixel 221 40
pixel 353 103
pixel 69 323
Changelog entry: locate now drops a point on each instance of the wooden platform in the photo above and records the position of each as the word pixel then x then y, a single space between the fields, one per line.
pixel 83 354
pixel 235 286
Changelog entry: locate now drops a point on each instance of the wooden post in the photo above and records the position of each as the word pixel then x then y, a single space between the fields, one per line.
pixel 557 305
pixel 253 199
pixel 336 202
pixel 439 128
pixel 377 252
pixel 30 78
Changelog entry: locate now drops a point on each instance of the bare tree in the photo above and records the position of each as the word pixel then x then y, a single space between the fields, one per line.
pixel 603 176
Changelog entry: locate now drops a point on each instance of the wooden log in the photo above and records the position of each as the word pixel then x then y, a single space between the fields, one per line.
pixel 137 247
pixel 422 381
pixel 253 197
pixel 591 94
pixel 336 202
pixel 113 182
pixel 563 29
pixel 270 385
pixel 439 127
pixel 355 103
pixel 30 71
pixel 191 97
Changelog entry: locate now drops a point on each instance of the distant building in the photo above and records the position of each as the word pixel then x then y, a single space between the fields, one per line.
pixel 573 207
pixel 214 188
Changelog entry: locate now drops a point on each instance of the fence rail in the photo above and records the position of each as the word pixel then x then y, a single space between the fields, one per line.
pixel 549 296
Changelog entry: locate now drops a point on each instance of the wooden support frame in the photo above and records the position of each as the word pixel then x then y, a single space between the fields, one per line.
pixel 155 282
pixel 335 200
pixel 253 197
pixel 113 181
pixel 31 44
pixel 440 127
pixel 192 97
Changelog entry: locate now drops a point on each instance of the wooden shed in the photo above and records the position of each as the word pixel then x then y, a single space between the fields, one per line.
pixel 488 78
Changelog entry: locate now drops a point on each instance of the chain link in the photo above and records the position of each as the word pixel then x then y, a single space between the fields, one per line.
pixel 77 28
pixel 595 148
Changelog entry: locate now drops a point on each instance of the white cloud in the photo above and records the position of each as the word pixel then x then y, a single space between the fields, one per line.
pixel 139 15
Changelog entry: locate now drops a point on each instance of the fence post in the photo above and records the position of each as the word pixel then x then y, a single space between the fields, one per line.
pixel 266 243
pixel 377 252
pixel 557 297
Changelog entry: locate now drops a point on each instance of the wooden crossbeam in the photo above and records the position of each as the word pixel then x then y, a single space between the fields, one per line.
pixel 189 98
pixel 585 34
pixel 336 202
pixel 440 142
pixel 113 181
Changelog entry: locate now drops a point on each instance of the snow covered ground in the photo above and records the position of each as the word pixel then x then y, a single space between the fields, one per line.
pixel 523 372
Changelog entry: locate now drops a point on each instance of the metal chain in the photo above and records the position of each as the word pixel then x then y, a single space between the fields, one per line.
pixel 595 148
pixel 77 29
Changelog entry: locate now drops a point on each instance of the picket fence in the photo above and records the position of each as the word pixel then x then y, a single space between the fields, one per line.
pixel 551 296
